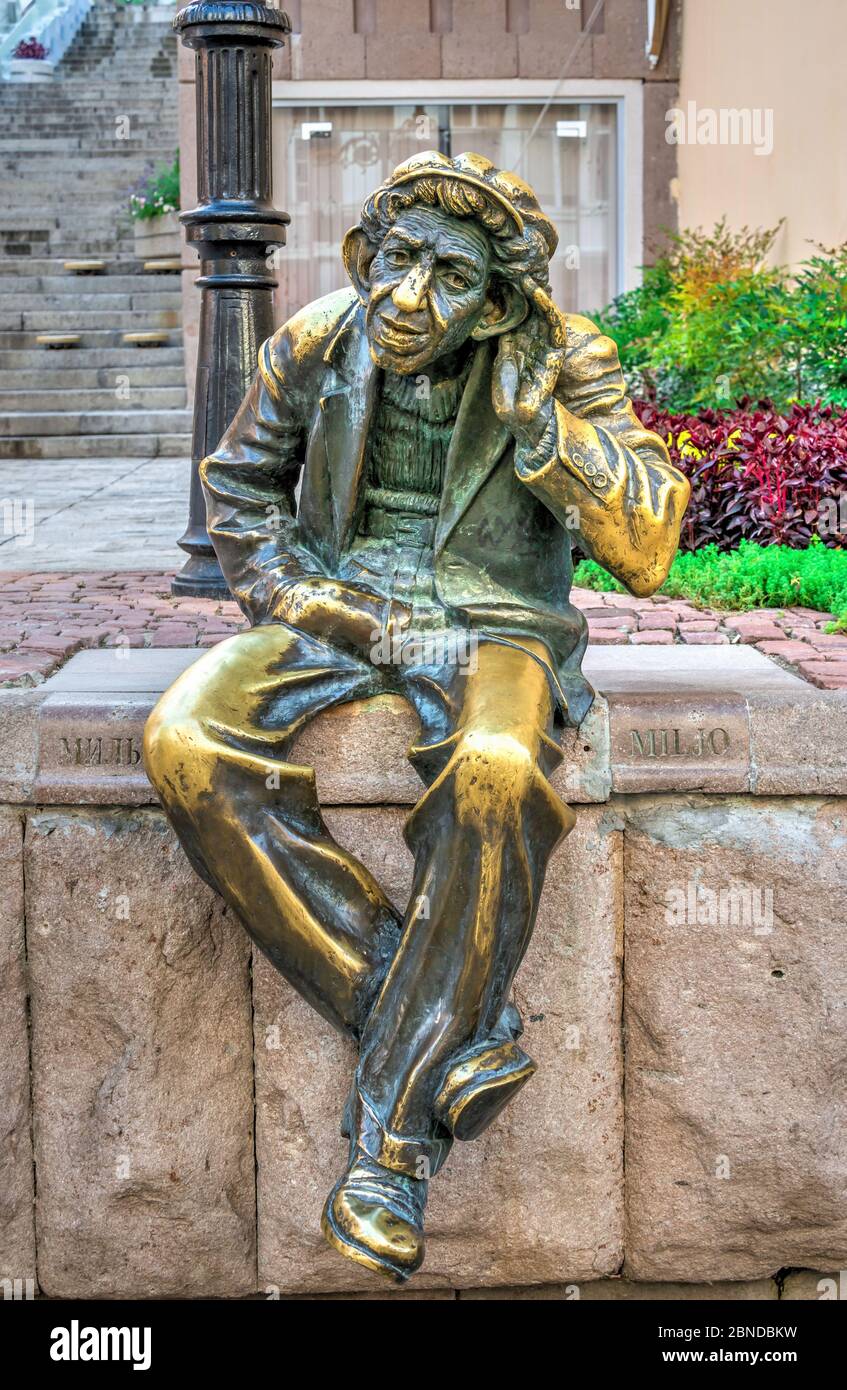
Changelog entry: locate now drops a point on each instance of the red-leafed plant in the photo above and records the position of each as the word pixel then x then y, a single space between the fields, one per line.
pixel 30 48
pixel 759 475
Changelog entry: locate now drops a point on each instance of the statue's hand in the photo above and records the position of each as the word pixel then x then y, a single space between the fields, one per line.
pixel 349 614
pixel 526 370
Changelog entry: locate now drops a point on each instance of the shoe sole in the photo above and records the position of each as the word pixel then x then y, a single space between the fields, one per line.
pixel 473 1106
pixel 354 1251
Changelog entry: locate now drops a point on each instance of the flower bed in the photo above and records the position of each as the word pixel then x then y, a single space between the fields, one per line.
pixel 758 475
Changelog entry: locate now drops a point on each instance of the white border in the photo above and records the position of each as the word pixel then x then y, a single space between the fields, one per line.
pixel 628 95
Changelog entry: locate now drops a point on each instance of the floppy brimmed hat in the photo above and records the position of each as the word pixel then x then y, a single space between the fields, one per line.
pixel 506 189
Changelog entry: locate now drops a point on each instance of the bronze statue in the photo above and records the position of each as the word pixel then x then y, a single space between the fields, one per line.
pixel 453 431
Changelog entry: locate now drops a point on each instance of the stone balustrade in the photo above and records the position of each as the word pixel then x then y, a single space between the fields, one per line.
pixel 169 1107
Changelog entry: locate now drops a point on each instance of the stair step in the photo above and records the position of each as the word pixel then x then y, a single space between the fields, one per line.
pixel 61 375
pixel 91 338
pixel 21 266
pixel 81 303
pixel 76 320
pixel 70 174
pixel 87 357
pixel 97 446
pixel 97 287
pixel 74 400
pixel 17 424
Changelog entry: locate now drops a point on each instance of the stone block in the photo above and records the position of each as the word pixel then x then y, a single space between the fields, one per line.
pixel 17 1232
pixel 478 44
pixel 554 31
pixel 402 43
pixel 359 754
pixel 629 1291
pixel 18 742
pixel 89 749
pixel 810 1286
pixel 141 1045
pixel 619 51
pixel 680 741
pixel 538 1198
pixel 797 746
pixel 186 60
pixel 327 48
pixel 736 977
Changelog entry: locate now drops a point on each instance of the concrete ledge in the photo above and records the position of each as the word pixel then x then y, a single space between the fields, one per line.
pixel 713 719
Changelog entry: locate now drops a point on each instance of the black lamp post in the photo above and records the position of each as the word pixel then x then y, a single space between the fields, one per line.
pixel 234 228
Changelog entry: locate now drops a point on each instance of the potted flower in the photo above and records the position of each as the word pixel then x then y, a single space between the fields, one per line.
pixel 153 206
pixel 28 62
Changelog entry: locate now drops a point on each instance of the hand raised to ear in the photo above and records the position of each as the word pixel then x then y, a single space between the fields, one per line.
pixel 527 369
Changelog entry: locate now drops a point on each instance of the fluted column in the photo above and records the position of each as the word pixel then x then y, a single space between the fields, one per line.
pixel 234 228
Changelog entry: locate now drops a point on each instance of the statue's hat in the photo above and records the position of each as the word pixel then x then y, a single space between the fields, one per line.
pixel 504 188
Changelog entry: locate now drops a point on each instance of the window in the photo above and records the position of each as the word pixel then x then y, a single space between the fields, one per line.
pixel 329 158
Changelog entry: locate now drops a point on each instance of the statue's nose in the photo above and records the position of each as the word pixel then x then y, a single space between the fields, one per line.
pixel 410 293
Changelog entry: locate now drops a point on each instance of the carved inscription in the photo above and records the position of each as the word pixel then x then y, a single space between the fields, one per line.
pixel 679 743
pixel 111 751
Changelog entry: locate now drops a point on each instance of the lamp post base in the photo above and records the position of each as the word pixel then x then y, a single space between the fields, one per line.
pixel 200 577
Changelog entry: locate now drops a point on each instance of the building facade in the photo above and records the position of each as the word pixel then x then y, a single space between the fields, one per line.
pixel 564 94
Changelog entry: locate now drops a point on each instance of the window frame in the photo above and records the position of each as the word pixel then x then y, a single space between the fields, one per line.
pixel 626 94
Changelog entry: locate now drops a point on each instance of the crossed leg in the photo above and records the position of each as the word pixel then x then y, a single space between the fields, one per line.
pixel 425 998
pixel 215 748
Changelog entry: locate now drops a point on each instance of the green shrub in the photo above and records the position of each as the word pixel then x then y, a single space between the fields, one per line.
pixel 156 194
pixel 713 323
pixel 753 576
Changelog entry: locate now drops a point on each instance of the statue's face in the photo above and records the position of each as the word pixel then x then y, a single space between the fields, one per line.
pixel 429 286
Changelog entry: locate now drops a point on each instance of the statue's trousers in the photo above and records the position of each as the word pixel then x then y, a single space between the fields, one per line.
pixel 414 991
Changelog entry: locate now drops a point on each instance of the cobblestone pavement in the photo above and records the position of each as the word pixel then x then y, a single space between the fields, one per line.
pixel 46 617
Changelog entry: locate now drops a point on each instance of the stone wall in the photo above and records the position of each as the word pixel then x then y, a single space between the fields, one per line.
pixel 683 994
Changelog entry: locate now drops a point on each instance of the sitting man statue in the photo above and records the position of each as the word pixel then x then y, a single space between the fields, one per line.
pixel 452 431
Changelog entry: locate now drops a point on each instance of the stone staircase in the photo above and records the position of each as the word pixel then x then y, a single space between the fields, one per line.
pixel 70 151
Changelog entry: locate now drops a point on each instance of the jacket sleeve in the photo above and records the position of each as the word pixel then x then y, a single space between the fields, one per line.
pixel 249 484
pixel 601 473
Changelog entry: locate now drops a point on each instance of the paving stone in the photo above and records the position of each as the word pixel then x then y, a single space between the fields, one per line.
pixel 830 641
pixel 648 621
pixel 756 632
pixel 789 651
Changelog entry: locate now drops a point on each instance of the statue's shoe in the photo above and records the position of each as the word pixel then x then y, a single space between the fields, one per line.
pixel 478 1085
pixel 375 1217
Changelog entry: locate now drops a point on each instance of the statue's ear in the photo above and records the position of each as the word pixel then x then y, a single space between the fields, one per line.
pixel 507 307
pixel 358 253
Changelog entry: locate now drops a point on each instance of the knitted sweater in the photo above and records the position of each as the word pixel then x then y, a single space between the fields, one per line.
pixel 408 442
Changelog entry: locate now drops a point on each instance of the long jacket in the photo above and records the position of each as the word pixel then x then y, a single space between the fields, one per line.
pixel 506 520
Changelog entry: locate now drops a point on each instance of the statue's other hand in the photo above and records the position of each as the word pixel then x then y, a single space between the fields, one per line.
pixel 527 369
pixel 349 614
